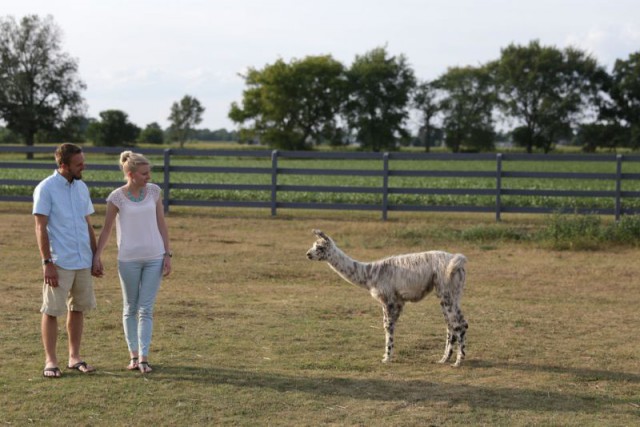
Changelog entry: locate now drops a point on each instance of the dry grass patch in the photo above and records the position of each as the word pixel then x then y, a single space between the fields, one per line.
pixel 249 332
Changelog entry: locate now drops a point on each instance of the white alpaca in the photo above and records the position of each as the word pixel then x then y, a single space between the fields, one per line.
pixel 395 280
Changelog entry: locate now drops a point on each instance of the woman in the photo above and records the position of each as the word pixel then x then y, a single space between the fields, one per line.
pixel 144 255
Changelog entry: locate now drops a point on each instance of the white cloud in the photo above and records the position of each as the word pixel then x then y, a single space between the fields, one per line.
pixel 608 43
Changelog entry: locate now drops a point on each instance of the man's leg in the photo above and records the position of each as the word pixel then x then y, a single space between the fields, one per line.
pixel 75 326
pixel 49 331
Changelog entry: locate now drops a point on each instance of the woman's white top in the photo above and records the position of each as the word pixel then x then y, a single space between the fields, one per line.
pixel 139 238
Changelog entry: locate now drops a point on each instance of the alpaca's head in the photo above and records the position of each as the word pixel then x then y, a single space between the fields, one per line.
pixel 321 247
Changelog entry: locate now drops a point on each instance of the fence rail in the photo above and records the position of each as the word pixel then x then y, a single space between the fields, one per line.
pixel 273 173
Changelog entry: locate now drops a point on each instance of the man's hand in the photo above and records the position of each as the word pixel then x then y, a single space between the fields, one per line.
pixel 50 275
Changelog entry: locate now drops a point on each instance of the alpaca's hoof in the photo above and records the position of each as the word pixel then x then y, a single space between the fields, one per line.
pixel 386 359
pixel 443 360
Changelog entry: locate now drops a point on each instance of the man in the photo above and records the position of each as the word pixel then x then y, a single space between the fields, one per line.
pixel 61 207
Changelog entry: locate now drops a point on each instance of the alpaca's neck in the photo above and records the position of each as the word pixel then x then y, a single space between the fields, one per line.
pixel 348 268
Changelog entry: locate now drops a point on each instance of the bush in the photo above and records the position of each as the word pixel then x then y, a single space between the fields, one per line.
pixel 589 231
pixel 574 231
pixel 494 233
pixel 627 230
pixel 565 232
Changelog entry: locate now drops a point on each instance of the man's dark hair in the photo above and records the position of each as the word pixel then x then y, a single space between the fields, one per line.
pixel 65 152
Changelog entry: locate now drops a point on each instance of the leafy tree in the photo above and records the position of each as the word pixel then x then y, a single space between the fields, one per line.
pixel 8 137
pixel 39 87
pixel 113 130
pixel 215 135
pixel 292 105
pixel 72 129
pixel 546 90
pixel 184 116
pixel 152 134
pixel 379 94
pixel 625 94
pixel 600 135
pixel 467 106
pixel 425 100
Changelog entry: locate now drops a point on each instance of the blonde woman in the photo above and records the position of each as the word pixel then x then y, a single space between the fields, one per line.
pixel 144 253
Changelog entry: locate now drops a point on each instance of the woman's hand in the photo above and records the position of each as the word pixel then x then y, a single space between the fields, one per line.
pixel 166 269
pixel 97 270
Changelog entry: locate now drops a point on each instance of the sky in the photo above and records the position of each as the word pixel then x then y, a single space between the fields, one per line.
pixel 141 56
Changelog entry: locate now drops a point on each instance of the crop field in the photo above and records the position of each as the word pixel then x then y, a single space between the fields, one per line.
pixel 373 183
pixel 249 332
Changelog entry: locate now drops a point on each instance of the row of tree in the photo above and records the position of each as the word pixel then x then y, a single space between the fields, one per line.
pixel 545 94
pixel 114 128
pixel 539 95
pixel 41 100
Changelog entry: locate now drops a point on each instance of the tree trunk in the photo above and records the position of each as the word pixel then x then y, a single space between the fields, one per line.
pixel 30 143
pixel 423 136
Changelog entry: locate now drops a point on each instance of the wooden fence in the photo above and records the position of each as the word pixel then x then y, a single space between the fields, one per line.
pixel 383 172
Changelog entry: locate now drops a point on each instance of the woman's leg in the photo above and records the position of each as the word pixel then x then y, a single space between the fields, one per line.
pixel 130 276
pixel 149 286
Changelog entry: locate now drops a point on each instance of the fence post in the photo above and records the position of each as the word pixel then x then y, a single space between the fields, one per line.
pixel 385 185
pixel 166 181
pixel 498 185
pixel 618 208
pixel 274 181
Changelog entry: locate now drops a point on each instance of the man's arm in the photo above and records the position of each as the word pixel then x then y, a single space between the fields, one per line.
pixel 49 270
pixel 42 235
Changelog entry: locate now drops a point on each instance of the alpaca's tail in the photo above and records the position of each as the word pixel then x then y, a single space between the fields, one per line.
pixel 456 273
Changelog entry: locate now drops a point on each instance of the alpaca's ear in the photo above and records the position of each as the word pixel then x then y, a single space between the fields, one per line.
pixel 320 234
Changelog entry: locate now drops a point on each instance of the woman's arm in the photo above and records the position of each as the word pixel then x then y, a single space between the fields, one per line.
pixel 164 232
pixel 109 219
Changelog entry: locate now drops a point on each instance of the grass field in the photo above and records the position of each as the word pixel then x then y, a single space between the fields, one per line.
pixel 249 332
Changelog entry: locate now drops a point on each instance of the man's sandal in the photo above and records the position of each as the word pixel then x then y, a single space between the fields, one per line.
pixel 56 372
pixel 82 367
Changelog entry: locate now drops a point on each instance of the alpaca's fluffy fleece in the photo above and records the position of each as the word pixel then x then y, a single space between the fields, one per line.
pixel 397 279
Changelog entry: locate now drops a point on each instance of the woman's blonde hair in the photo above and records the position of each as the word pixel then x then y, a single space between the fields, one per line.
pixel 129 161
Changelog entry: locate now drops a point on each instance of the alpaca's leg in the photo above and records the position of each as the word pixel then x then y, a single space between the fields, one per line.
pixel 460 329
pixel 456 331
pixel 447 311
pixel 391 313
pixel 448 347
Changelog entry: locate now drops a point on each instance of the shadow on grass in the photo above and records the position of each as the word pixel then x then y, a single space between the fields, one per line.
pixel 583 374
pixel 411 391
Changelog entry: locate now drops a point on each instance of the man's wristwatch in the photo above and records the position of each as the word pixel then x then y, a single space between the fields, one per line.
pixel 169 254
pixel 47 261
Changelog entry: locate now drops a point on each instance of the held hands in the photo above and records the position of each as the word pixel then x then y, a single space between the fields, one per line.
pixel 97 270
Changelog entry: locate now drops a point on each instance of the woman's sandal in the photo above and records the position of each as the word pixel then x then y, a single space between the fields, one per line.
pixel 144 367
pixel 133 364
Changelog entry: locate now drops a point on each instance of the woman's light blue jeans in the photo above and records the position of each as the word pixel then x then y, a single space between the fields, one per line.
pixel 140 282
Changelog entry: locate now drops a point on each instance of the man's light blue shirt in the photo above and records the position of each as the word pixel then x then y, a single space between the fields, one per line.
pixel 66 204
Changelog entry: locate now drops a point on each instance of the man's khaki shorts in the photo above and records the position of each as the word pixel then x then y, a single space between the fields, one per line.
pixel 73 293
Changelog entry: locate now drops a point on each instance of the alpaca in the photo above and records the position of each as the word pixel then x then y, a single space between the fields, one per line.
pixel 395 280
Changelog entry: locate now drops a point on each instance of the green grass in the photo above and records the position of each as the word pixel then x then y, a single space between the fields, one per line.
pixel 249 332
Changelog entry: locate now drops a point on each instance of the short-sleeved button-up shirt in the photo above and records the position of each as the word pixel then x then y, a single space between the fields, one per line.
pixel 66 204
